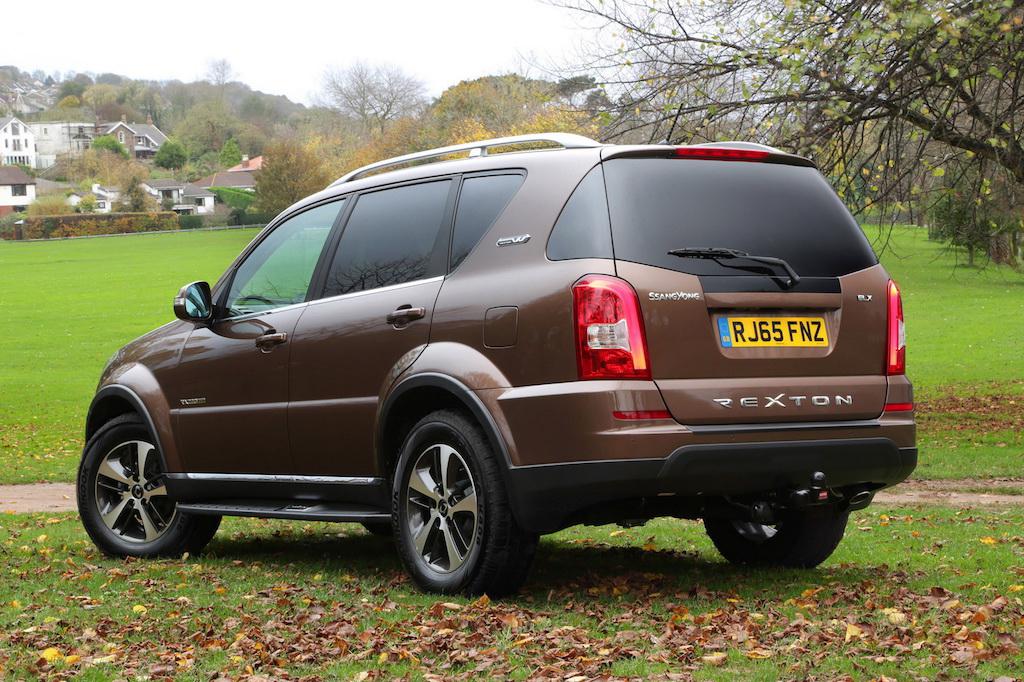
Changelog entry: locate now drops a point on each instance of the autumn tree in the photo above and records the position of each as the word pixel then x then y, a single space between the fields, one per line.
pixel 290 172
pixel 135 198
pixel 373 95
pixel 880 93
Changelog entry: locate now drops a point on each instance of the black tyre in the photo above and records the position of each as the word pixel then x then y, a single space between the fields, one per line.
pixel 379 528
pixel 122 500
pixel 799 540
pixel 455 531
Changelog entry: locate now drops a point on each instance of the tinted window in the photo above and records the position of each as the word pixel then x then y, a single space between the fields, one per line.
pixel 582 230
pixel 480 203
pixel 278 271
pixel 789 212
pixel 392 236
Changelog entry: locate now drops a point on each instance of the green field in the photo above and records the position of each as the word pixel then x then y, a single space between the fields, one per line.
pixel 923 593
pixel 66 306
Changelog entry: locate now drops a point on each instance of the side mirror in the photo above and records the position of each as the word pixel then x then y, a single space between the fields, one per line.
pixel 194 303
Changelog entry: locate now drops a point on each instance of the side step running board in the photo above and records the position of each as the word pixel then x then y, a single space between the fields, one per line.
pixel 343 513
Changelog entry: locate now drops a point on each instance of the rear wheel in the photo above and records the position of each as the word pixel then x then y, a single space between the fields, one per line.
pixel 801 539
pixel 123 500
pixel 455 528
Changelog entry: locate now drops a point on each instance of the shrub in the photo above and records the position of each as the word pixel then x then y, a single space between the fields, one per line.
pixel 190 222
pixel 82 224
pixel 110 144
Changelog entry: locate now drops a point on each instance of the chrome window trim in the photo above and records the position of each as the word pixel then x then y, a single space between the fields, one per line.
pixel 364 292
pixel 278 478
pixel 249 316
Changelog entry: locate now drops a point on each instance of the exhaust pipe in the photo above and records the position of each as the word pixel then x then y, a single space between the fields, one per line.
pixel 860 499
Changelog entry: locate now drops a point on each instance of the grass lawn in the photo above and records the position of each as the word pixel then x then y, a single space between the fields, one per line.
pixel 919 593
pixel 68 305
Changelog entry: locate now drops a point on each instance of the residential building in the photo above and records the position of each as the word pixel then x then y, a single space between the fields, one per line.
pixel 17 143
pixel 59 138
pixel 253 164
pixel 142 140
pixel 181 197
pixel 17 190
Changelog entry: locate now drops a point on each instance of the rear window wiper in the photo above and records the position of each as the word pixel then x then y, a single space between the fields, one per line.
pixel 718 255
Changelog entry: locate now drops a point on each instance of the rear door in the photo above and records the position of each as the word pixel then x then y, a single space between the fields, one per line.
pixel 729 342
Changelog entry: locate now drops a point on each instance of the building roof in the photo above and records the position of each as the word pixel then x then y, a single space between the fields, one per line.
pixel 253 164
pixel 238 179
pixel 12 175
pixel 165 183
pixel 196 191
pixel 143 129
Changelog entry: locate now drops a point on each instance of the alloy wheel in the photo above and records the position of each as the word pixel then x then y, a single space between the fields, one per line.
pixel 130 493
pixel 442 509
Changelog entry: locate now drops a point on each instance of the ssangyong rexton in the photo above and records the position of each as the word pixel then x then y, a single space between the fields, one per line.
pixel 470 352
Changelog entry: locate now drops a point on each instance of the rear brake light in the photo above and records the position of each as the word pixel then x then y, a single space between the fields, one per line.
pixel 899 407
pixel 610 340
pixel 721 153
pixel 896 345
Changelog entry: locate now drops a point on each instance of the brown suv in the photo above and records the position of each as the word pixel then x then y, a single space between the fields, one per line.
pixel 469 352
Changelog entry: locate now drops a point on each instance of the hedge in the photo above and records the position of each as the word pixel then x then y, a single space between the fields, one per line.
pixel 233 197
pixel 82 224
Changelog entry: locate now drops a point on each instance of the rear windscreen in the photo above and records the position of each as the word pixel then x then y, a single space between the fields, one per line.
pixel 764 209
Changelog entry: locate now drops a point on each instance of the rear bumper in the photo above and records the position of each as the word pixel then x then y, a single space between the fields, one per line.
pixel 548 497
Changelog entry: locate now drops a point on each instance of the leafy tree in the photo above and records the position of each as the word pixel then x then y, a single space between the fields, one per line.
pixel 171 155
pixel 207 127
pixel 50 204
pixel 87 204
pixel 374 96
pixel 135 198
pixel 230 154
pixel 109 143
pixel 290 172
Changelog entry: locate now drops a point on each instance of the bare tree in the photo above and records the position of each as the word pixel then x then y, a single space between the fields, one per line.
pixel 219 72
pixel 883 93
pixel 374 95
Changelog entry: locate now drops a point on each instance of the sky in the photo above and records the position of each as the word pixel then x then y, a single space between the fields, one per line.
pixel 284 47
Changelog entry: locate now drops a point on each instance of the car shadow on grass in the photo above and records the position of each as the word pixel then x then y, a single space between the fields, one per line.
pixel 561 571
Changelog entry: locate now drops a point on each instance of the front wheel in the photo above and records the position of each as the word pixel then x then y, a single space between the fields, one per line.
pixel 123 500
pixel 455 528
pixel 800 539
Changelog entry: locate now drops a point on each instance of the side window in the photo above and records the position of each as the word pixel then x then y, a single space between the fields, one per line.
pixel 481 201
pixel 583 229
pixel 278 271
pixel 393 236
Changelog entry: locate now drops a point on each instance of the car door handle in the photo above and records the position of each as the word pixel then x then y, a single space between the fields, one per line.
pixel 405 314
pixel 267 342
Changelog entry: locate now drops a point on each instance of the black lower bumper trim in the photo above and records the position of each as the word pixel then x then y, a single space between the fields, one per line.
pixel 552 496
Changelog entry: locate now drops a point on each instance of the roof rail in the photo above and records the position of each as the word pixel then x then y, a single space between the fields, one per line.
pixel 739 144
pixel 564 140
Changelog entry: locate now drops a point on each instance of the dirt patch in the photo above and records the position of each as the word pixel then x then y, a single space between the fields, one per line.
pixel 37 497
pixel 960 492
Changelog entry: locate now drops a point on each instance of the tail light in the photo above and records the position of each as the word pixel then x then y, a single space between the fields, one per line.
pixel 610 340
pixel 896 347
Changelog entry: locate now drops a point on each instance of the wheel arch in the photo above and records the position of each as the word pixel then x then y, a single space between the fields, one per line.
pixel 420 394
pixel 114 400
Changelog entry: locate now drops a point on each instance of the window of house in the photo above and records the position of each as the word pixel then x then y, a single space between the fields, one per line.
pixel 393 236
pixel 101 204
pixel 15 130
pixel 17 145
pixel 19 190
pixel 120 136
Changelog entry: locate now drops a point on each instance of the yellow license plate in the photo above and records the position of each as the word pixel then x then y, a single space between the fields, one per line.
pixel 783 332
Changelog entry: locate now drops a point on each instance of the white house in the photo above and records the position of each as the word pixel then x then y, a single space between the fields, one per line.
pixel 17 190
pixel 105 197
pixel 17 143
pixel 181 197
pixel 57 138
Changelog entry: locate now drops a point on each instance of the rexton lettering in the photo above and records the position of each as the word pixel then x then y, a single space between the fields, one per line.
pixel 781 400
